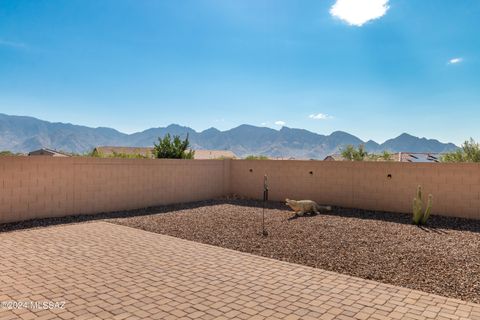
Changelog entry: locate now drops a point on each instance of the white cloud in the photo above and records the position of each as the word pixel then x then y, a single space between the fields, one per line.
pixel 280 123
pixel 358 12
pixel 12 44
pixel 264 123
pixel 320 116
pixel 455 60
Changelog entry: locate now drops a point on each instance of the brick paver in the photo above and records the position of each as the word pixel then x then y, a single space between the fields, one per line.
pixel 108 271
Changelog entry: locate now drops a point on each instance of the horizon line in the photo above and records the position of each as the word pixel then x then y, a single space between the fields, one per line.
pixel 244 124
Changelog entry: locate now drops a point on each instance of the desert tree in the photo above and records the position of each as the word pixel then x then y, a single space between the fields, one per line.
pixel 353 153
pixel 176 148
pixel 469 152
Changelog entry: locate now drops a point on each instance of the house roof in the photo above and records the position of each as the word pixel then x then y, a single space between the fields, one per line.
pixel 214 154
pixel 399 157
pixel 417 156
pixel 334 157
pixel 47 152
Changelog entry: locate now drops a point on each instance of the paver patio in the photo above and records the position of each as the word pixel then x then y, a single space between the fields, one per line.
pixel 102 270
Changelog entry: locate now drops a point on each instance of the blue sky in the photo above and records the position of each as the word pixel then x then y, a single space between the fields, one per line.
pixel 375 71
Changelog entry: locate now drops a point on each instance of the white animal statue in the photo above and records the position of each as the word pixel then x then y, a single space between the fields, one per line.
pixel 305 206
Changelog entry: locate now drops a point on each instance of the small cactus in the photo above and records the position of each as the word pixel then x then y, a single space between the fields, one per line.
pixel 420 217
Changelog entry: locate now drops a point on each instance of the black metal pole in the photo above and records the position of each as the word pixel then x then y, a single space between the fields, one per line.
pixel 263 218
pixel 265 199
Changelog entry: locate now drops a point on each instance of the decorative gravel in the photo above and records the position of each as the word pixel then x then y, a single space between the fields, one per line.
pixel 443 259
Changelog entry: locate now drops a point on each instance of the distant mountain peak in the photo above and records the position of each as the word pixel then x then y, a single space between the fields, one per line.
pixel 213 129
pixel 247 126
pixel 24 134
pixel 177 126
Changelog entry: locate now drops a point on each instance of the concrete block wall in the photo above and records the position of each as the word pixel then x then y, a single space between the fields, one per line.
pixel 38 187
pixel 386 186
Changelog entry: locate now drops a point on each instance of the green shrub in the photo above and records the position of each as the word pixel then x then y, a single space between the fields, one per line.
pixel 354 154
pixel 470 152
pixel 385 156
pixel 173 149
pixel 7 153
pixel 95 154
pixel 127 155
pixel 252 157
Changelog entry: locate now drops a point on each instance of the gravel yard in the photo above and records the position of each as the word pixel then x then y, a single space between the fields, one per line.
pixel 442 259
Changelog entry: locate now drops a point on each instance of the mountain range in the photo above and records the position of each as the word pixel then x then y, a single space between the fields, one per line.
pixel 24 134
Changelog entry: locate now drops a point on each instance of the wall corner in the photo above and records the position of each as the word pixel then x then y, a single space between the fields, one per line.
pixel 227 177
